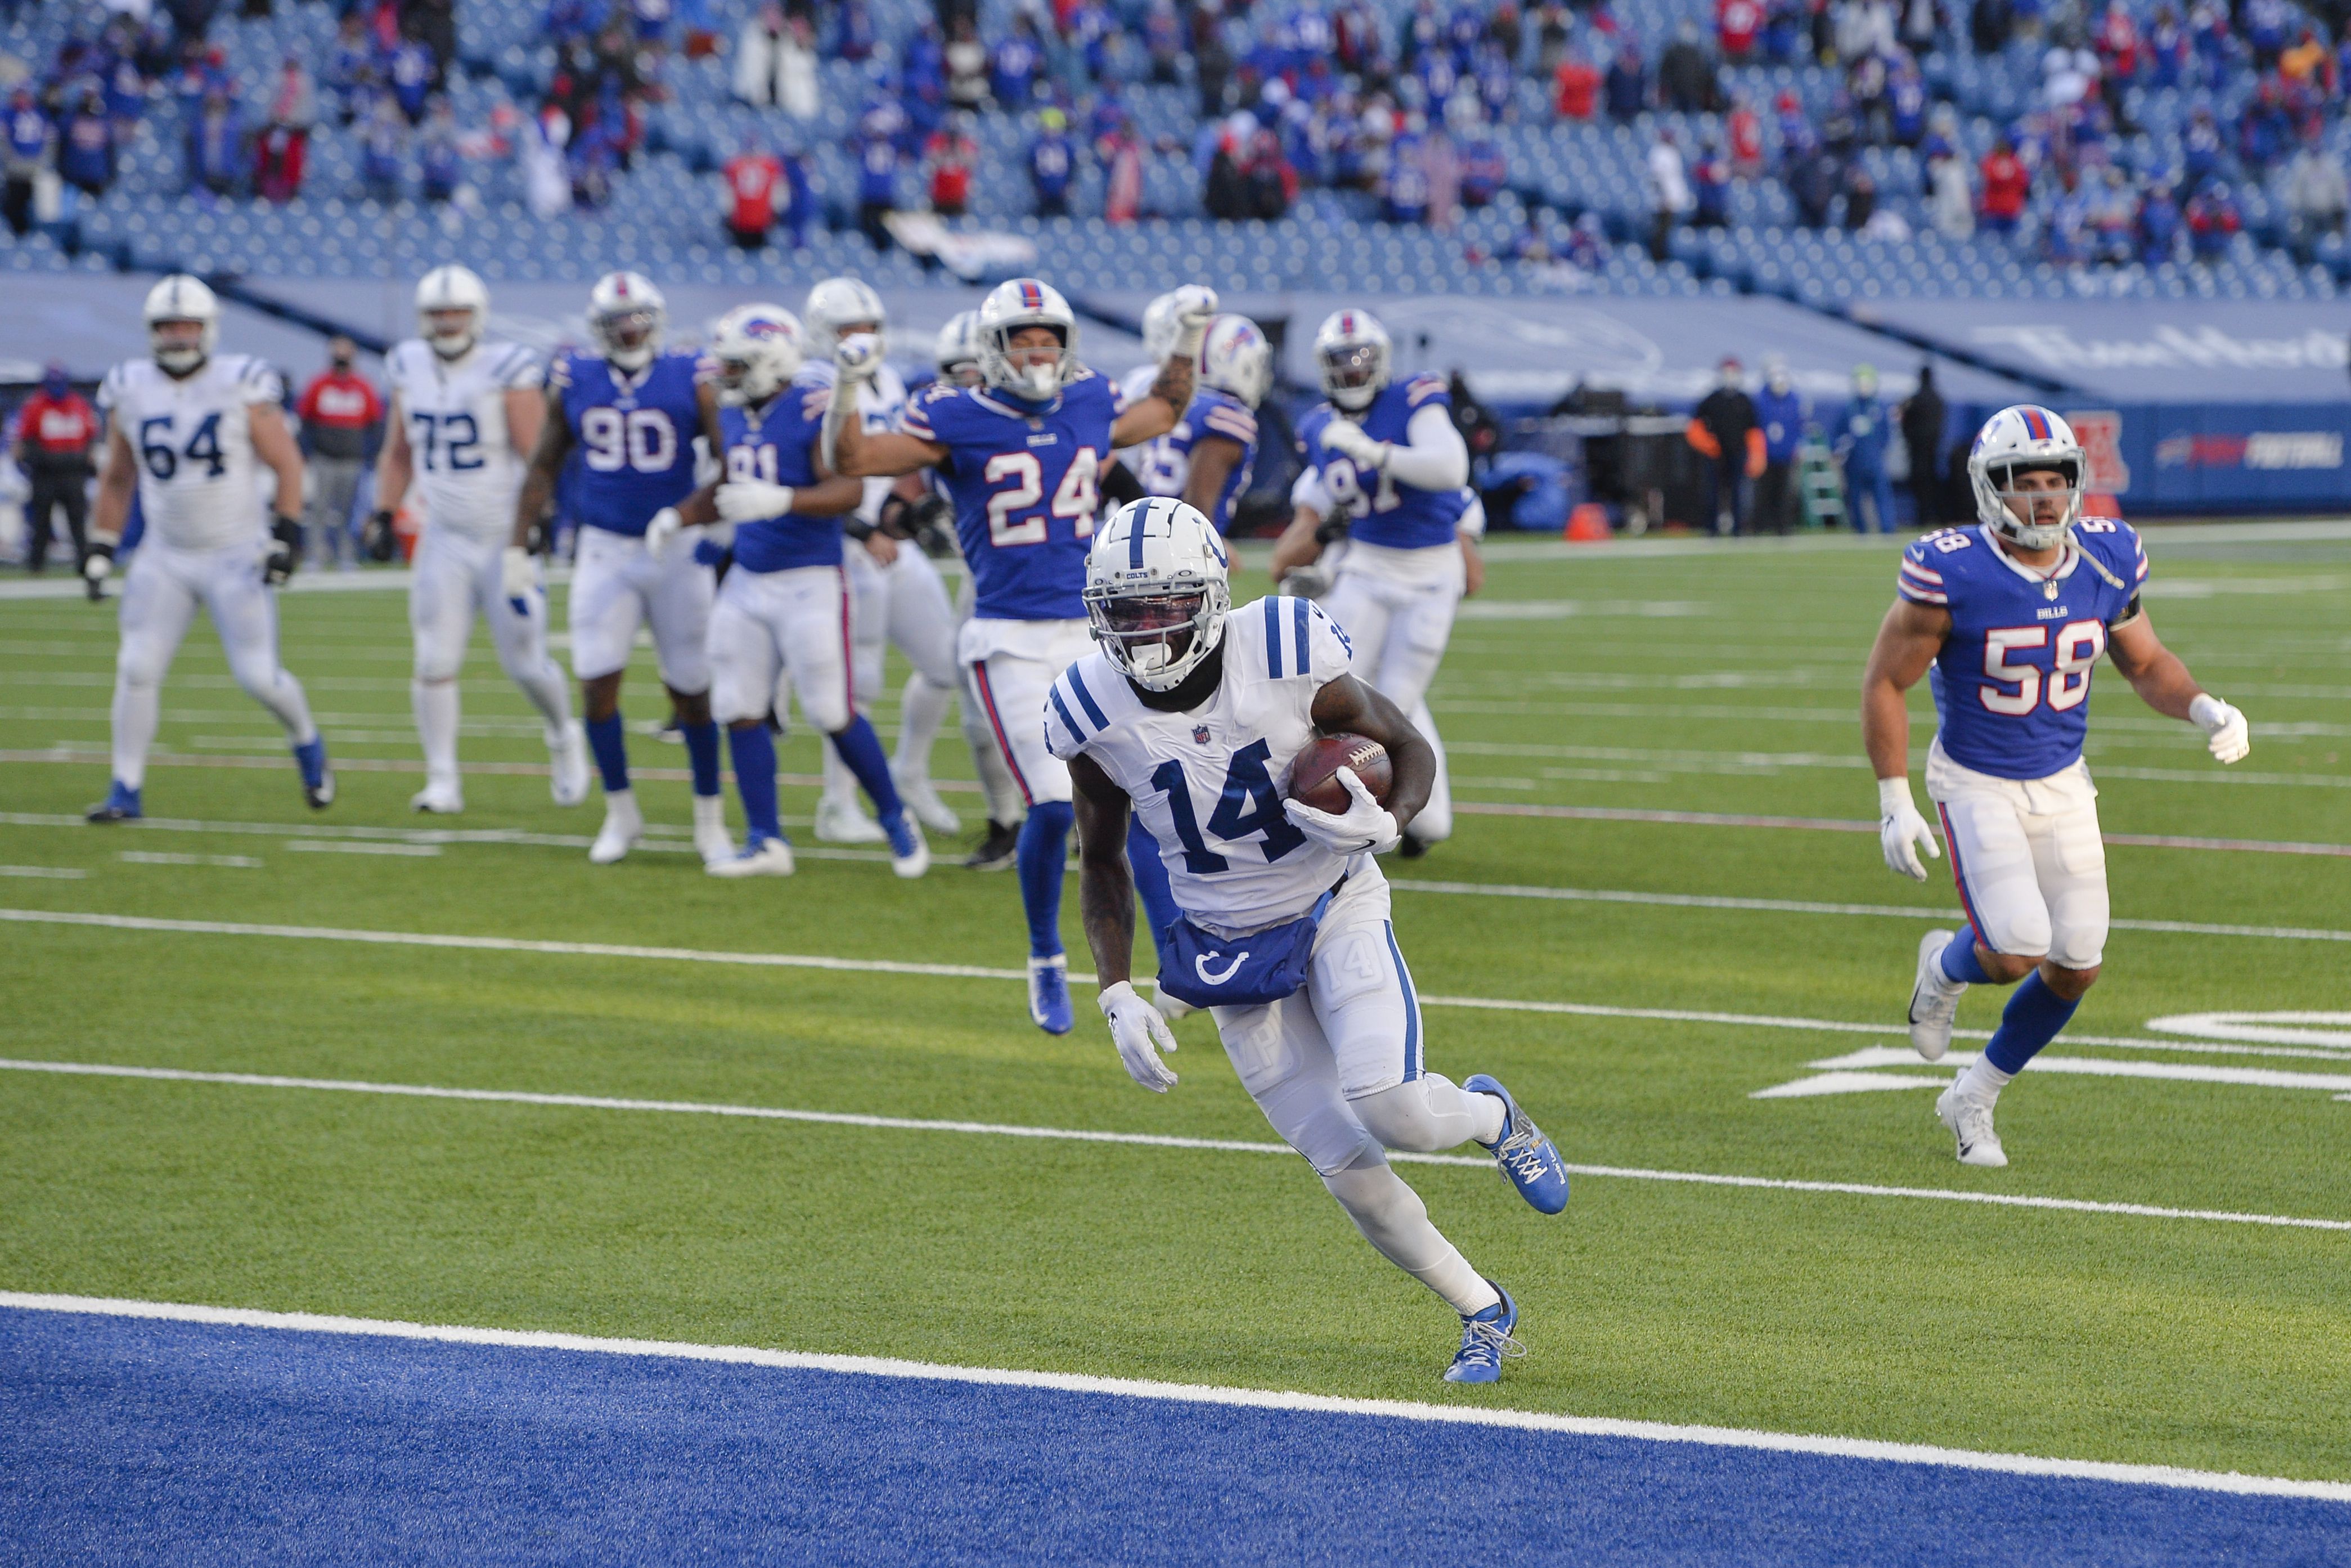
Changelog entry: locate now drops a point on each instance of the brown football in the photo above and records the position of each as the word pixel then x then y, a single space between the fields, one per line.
pixel 1311 779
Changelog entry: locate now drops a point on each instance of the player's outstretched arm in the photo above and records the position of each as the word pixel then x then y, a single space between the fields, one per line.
pixel 546 466
pixel 2161 679
pixel 1908 641
pixel 1155 413
pixel 1106 904
pixel 1348 706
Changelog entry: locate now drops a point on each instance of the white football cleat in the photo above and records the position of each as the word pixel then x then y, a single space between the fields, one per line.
pixel 567 769
pixel 624 826
pixel 840 822
pixel 1969 1120
pixel 443 799
pixel 1170 1008
pixel 910 857
pixel 1933 999
pixel 769 857
pixel 712 841
pixel 922 800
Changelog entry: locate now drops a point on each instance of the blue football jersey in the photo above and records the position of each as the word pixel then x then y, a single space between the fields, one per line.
pixel 777 442
pixel 2012 684
pixel 1400 516
pixel 1022 482
pixel 635 435
pixel 1212 414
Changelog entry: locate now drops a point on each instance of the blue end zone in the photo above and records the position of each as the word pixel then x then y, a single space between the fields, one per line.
pixel 127 1440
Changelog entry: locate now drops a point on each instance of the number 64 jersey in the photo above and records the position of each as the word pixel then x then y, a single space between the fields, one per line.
pixel 2012 684
pixel 1207 784
pixel 455 415
pixel 193 437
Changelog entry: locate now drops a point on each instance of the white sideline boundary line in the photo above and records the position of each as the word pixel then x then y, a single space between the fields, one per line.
pixel 1142 1140
pixel 2167 1476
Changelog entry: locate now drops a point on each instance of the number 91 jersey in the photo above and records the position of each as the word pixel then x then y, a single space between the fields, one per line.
pixel 2012 684
pixel 455 416
pixel 1399 517
pixel 635 435
pixel 1023 486
pixel 1207 784
pixel 192 437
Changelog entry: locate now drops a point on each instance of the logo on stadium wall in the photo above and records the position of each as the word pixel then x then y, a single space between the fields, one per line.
pixel 2100 432
pixel 2264 449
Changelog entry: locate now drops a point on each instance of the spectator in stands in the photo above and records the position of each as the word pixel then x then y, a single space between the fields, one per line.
pixel 1860 199
pixel 1483 171
pixel 1053 164
pixel 1575 87
pixel 1711 187
pixel 1949 201
pixel 57 447
pixel 949 157
pixel 341 412
pixel 1923 21
pixel 440 153
pixel 1923 415
pixel 2166 54
pixel 878 156
pixel 1587 245
pixel 1163 42
pixel 1686 74
pixel 1862 433
pixel 1906 103
pixel 1404 195
pixel 1670 197
pixel 383 150
pixel 2068 74
pixel 2158 224
pixel 1627 85
pixel 2200 151
pixel 2007 184
pixel 966 63
pixel 1015 65
pixel 2212 221
pixel 215 147
pixel 351 67
pixel 1737 24
pixel 2263 130
pixel 1989 25
pixel 1780 413
pixel 1725 430
pixel 31 145
pixel 411 75
pixel 2316 197
pixel 1814 179
pixel 1121 158
pixel 754 178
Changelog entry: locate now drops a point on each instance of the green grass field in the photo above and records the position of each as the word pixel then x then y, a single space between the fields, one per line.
pixel 1703 681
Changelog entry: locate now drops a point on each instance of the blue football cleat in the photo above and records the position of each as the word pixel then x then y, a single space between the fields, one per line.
pixel 1485 1342
pixel 120 805
pixel 1529 1158
pixel 1048 994
pixel 317 779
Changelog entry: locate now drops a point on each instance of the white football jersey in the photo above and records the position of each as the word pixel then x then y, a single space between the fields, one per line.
pixel 199 484
pixel 454 413
pixel 1157 465
pixel 881 401
pixel 1208 784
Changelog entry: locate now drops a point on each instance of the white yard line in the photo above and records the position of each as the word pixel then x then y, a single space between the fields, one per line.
pixel 45 873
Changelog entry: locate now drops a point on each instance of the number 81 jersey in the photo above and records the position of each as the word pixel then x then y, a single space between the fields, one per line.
pixel 192 437
pixel 2012 684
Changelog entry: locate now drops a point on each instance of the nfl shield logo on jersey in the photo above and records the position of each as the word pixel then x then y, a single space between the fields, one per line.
pixel 1200 734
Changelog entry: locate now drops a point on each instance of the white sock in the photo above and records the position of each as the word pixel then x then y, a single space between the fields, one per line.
pixel 995 778
pixel 1395 1222
pixel 545 688
pixel 922 708
pixel 839 784
pixel 710 811
pixel 282 695
pixel 435 702
pixel 1983 1081
pixel 138 711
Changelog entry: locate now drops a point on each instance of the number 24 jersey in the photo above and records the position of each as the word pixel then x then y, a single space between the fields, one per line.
pixel 635 435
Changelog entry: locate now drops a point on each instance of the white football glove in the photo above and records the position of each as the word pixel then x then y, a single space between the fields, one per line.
pixel 99 566
pixel 1346 438
pixel 2225 731
pixel 1365 825
pixel 857 358
pixel 1902 832
pixel 666 525
pixel 1196 307
pixel 519 577
pixel 1140 1035
pixel 753 500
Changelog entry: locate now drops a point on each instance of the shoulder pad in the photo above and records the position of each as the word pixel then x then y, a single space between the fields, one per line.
pixel 518 369
pixel 1425 386
pixel 560 374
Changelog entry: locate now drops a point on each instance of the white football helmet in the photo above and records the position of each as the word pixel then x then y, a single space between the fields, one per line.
pixel 958 350
pixel 836 305
pixel 180 297
pixel 2019 440
pixel 1351 353
pixel 1235 358
pixel 758 349
pixel 1160 328
pixel 1009 307
pixel 451 288
pixel 626 317
pixel 1157 590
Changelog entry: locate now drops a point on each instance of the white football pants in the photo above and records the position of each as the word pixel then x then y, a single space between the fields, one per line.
pixel 2028 857
pixel 457 577
pixel 794 622
pixel 1013 664
pixel 1396 607
pixel 616 585
pixel 902 604
pixel 1003 804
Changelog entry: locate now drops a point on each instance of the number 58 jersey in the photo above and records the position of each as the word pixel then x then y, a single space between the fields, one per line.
pixel 193 438
pixel 2012 684
pixel 1207 784
pixel 455 416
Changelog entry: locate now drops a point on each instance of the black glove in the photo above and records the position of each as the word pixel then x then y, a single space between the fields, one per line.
pixel 285 551
pixel 377 538
pixel 931 522
pixel 97 566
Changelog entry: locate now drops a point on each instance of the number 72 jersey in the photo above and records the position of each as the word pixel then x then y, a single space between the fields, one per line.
pixel 192 437
pixel 2012 684
pixel 455 416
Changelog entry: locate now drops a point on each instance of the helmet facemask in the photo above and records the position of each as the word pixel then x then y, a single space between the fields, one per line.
pixel 629 337
pixel 180 346
pixel 2033 518
pixel 452 331
pixel 1158 635
pixel 1038 379
pixel 1352 374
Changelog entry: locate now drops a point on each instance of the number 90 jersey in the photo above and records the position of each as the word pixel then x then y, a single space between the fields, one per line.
pixel 1207 784
pixel 193 438
pixel 1400 516
pixel 455 416
pixel 635 435
pixel 2011 684
pixel 1023 488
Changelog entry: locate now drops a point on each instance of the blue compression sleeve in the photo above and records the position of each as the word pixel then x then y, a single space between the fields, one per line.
pixel 2032 1017
pixel 1960 960
pixel 860 748
pixel 609 743
pixel 1044 852
pixel 702 755
pixel 754 749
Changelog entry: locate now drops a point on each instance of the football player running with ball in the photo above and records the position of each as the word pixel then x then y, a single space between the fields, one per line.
pixel 1188 714
pixel 2007 620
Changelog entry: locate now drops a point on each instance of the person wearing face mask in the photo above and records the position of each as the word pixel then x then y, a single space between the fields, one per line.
pixel 1726 432
pixel 340 409
pixel 1862 434
pixel 56 433
pixel 1780 412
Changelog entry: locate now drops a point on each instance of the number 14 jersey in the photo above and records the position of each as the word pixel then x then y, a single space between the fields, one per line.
pixel 454 413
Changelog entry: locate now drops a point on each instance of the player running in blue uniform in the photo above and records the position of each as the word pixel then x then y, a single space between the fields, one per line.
pixel 1021 454
pixel 2007 620
pixel 633 412
pixel 1206 460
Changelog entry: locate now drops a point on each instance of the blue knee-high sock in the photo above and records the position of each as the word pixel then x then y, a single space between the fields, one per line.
pixel 1960 960
pixel 611 744
pixel 754 750
pixel 702 755
pixel 2032 1019
pixel 1150 884
pixel 1044 852
pixel 860 750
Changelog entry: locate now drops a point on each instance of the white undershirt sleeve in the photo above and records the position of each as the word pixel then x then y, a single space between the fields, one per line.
pixel 1435 458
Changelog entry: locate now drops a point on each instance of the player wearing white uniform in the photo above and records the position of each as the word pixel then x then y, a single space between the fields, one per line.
pixel 1386 455
pixel 465 416
pixel 897 594
pixel 1188 715
pixel 190 430
pixel 2010 617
